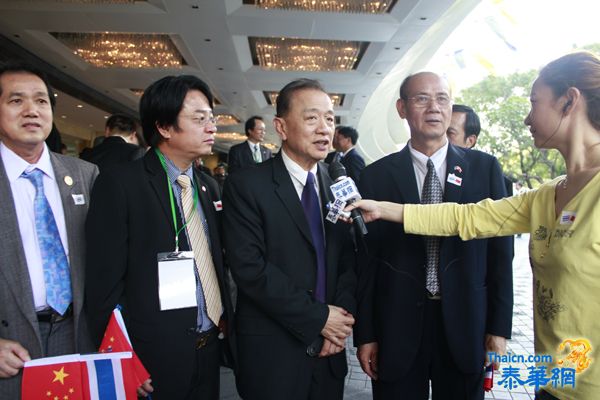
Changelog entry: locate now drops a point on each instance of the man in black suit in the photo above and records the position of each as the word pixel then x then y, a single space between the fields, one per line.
pixel 161 205
pixel 117 147
pixel 294 272
pixel 344 140
pixel 250 152
pixel 429 308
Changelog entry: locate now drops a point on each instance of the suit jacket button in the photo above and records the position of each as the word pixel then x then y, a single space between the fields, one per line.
pixel 4 323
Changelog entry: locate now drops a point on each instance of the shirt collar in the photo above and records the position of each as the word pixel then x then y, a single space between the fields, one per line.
pixel 345 153
pixel 295 170
pixel 173 171
pixel 15 165
pixel 252 145
pixel 420 160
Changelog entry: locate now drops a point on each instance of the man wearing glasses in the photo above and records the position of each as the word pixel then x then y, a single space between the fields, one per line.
pixel 154 247
pixel 430 307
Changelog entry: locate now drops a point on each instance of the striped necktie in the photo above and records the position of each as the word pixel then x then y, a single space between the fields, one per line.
pixel 198 236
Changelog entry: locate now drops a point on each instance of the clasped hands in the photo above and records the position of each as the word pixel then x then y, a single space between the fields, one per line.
pixel 337 328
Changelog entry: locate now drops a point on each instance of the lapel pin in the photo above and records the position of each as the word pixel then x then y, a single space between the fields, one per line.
pixel 68 180
pixel 204 188
pixel 458 169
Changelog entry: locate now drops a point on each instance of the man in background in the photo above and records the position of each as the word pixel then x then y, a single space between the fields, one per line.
pixel 119 145
pixel 250 152
pixel 464 130
pixel 45 198
pixel 344 141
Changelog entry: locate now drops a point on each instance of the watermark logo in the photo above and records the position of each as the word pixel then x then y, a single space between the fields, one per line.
pixel 576 360
pixel 578 357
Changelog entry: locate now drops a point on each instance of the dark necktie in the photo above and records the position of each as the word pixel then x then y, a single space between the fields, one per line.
pixel 57 276
pixel 312 210
pixel 432 193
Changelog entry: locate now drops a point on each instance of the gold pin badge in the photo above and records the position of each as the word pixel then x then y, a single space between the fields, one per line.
pixel 68 180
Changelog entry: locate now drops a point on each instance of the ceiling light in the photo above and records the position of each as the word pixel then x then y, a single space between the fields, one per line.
pixel 123 50
pixel 285 54
pixel 343 6
pixel 226 119
pixel 99 1
pixel 230 136
pixel 336 98
pixel 79 106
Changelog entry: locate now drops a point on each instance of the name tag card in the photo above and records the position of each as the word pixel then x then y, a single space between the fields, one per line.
pixel 176 280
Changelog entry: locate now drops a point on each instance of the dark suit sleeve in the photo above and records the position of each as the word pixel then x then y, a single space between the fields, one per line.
pixel 499 269
pixel 106 255
pixel 345 293
pixel 263 282
pixel 354 165
pixel 234 161
pixel 366 265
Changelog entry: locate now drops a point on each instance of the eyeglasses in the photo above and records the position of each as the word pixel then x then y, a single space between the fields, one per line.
pixel 423 100
pixel 203 118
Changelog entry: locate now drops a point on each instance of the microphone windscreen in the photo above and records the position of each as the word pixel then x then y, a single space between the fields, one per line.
pixel 336 170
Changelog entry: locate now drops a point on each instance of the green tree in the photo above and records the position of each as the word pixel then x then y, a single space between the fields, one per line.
pixel 502 103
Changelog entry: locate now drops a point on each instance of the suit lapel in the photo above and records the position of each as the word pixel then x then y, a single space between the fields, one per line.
pixel 208 208
pixel 287 194
pixel 331 246
pixel 15 273
pixel 404 177
pixel 68 203
pixel 455 164
pixel 158 181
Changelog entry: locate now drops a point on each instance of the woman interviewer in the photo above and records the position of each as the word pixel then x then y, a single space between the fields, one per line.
pixel 563 217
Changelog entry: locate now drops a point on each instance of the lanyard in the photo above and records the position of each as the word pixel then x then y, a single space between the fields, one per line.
pixel 161 157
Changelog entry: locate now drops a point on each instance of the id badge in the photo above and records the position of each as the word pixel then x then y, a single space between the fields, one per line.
pixel 176 280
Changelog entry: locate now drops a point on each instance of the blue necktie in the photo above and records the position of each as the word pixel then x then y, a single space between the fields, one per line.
pixel 312 210
pixel 56 267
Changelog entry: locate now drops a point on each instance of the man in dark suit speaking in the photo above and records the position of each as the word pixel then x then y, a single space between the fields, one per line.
pixel 250 152
pixel 175 305
pixel 428 307
pixel 293 270
pixel 45 198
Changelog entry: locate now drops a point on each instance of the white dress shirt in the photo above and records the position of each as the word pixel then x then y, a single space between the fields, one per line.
pixel 23 194
pixel 419 161
pixel 299 175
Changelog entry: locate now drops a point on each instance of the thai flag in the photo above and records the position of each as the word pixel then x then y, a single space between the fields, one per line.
pixel 110 376
pixel 488 379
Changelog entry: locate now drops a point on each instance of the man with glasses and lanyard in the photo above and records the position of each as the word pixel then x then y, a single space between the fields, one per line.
pixel 429 308
pixel 154 247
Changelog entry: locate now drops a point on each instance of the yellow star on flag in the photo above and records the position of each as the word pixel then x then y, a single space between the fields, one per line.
pixel 60 375
pixel 48 393
pixel 112 338
pixel 71 390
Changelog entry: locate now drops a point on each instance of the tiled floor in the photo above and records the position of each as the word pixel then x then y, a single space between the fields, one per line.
pixel 358 386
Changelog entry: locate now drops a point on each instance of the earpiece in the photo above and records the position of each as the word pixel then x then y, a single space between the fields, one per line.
pixel 566 106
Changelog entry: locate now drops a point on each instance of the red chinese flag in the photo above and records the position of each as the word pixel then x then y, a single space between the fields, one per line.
pixel 116 339
pixel 52 378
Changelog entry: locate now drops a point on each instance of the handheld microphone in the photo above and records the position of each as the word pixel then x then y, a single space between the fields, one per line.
pixel 344 189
